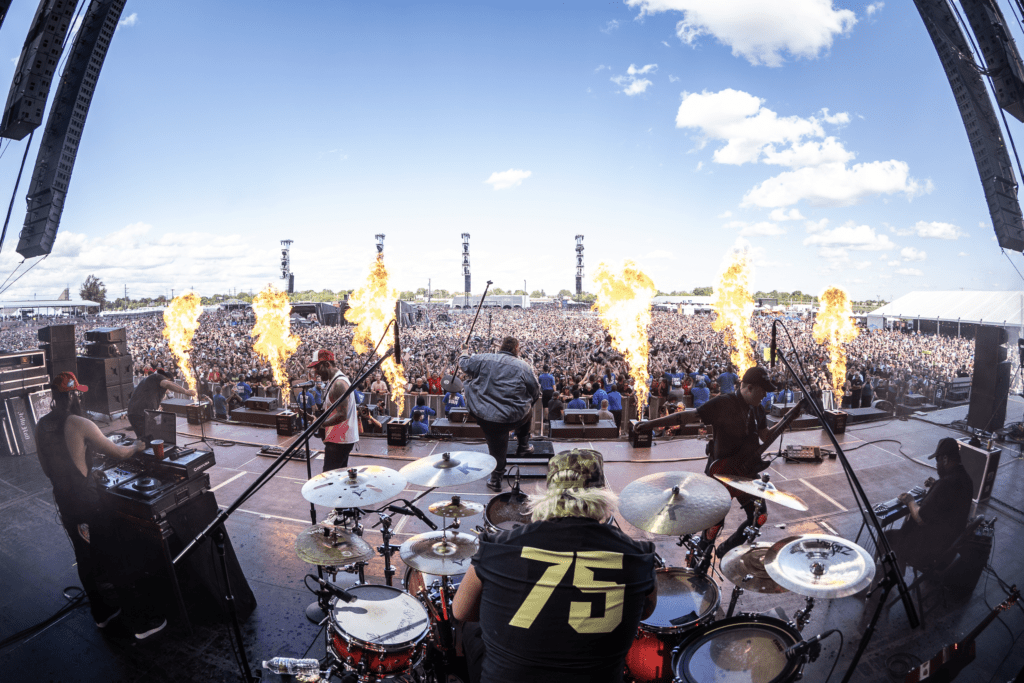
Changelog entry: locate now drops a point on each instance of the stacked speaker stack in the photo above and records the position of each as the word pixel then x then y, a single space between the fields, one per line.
pixel 58 343
pixel 991 382
pixel 107 370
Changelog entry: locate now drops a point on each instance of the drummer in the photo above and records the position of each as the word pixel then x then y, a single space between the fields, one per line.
pixel 562 596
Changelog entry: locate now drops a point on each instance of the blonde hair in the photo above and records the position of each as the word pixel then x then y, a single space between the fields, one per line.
pixel 598 503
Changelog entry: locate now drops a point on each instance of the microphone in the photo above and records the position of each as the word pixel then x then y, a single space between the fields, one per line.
pixel 423 518
pixel 804 645
pixel 335 590
pixel 775 347
pixel 303 385
pixel 398 344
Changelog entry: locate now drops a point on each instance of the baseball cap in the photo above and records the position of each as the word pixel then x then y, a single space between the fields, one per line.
pixel 758 376
pixel 322 356
pixel 580 468
pixel 947 447
pixel 66 381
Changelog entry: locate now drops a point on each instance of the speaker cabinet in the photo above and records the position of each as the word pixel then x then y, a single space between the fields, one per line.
pixel 981 464
pixel 990 385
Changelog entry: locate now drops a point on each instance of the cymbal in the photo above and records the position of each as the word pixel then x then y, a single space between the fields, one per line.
pixel 674 503
pixel 763 489
pixel 820 566
pixel 352 487
pixel 748 560
pixel 456 508
pixel 331 550
pixel 441 553
pixel 449 469
pixel 451 384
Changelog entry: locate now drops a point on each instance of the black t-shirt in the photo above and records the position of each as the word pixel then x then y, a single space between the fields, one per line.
pixel 147 395
pixel 735 424
pixel 944 511
pixel 561 600
pixel 555 409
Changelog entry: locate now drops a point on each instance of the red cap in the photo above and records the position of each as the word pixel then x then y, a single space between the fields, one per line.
pixel 322 356
pixel 66 381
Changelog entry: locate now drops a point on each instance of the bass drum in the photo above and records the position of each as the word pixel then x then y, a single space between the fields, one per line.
pixel 685 602
pixel 746 649
pixel 507 511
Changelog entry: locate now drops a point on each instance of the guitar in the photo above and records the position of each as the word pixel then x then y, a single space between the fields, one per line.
pixel 747 461
pixel 945 666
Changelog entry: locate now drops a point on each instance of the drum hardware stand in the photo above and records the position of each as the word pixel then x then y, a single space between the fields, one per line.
pixel 801 618
pixel 385 550
pixel 737 591
pixel 893 577
pixel 703 561
pixel 219 539
pixel 316 611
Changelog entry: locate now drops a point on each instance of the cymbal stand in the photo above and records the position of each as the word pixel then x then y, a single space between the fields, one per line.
pixel 801 618
pixel 737 591
pixel 702 560
pixel 760 517
pixel 386 550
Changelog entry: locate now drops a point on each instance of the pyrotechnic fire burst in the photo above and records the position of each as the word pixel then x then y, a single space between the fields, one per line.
pixel 272 331
pixel 624 304
pixel 371 308
pixel 734 305
pixel 834 327
pixel 181 320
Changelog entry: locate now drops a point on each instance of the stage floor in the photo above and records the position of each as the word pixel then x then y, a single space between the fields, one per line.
pixel 36 560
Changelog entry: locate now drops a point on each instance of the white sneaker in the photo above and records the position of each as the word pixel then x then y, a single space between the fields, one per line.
pixel 103 624
pixel 155 629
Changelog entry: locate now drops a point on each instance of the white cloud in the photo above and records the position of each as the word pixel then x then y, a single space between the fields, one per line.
pixel 874 8
pixel 725 214
pixel 783 215
pixel 671 78
pixel 503 180
pixel 810 153
pixel 911 254
pixel 836 184
pixel 893 263
pixel 942 231
pixel 637 87
pixel 601 67
pixel 816 226
pixel 610 26
pixel 761 32
pixel 840 119
pixel 665 44
pixel 700 165
pixel 851 236
pixel 646 69
pixel 129 21
pixel 761 229
pixel 910 271
pixel 861 265
pixel 963 254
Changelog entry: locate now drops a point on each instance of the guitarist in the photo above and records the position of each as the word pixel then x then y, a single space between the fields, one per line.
pixel 740 427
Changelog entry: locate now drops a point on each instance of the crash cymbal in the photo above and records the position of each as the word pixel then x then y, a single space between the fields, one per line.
pixel 456 507
pixel 762 488
pixel 352 487
pixel 449 469
pixel 820 566
pixel 441 553
pixel 674 503
pixel 748 560
pixel 451 385
pixel 331 549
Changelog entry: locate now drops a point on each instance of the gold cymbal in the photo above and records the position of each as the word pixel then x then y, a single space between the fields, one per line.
pixel 820 566
pixel 334 548
pixel 449 469
pixel 354 486
pixel 441 553
pixel 456 507
pixel 748 560
pixel 674 503
pixel 762 488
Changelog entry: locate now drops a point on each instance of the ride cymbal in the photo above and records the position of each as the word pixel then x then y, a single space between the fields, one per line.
pixel 441 553
pixel 762 488
pixel 674 503
pixel 353 487
pixel 331 549
pixel 456 508
pixel 449 469
pixel 748 560
pixel 820 566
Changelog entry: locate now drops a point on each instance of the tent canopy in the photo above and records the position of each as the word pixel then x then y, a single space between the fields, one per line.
pixel 989 308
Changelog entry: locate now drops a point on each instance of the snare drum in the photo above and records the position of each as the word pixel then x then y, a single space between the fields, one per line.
pixel 685 601
pixel 749 648
pixel 379 634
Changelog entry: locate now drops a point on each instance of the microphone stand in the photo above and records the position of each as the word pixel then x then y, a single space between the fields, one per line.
pixel 892 576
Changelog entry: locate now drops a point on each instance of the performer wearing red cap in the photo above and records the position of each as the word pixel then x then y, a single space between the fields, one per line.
pixel 62 436
pixel 341 427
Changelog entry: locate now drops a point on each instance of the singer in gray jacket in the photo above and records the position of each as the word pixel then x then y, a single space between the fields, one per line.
pixel 500 392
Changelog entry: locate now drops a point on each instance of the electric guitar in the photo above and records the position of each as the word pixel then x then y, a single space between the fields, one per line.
pixel 746 462
pixel 945 666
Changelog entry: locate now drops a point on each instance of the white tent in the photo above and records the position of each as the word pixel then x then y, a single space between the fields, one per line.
pixel 1002 309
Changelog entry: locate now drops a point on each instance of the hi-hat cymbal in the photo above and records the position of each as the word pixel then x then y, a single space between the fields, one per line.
pixel 456 508
pixel 441 553
pixel 748 560
pixel 820 566
pixel 449 469
pixel 763 489
pixel 674 503
pixel 331 549
pixel 352 487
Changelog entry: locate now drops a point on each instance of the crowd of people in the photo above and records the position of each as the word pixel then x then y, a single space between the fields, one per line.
pixel 686 355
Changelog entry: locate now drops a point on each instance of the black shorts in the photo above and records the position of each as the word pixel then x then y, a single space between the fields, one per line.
pixel 545 397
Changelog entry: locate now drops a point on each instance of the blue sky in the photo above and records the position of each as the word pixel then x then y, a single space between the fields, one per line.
pixel 822 136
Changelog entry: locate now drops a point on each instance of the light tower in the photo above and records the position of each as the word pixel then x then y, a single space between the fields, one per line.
pixel 465 261
pixel 579 266
pixel 286 264
pixel 380 245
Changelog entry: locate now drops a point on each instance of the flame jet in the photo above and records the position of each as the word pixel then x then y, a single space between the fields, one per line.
pixel 181 320
pixel 834 327
pixel 274 341
pixel 624 305
pixel 370 309
pixel 734 304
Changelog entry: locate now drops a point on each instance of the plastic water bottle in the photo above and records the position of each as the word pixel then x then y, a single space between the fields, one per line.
pixel 293 666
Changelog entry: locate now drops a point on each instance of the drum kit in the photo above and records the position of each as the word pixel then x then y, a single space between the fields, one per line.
pixel 376 632
pixel 681 640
